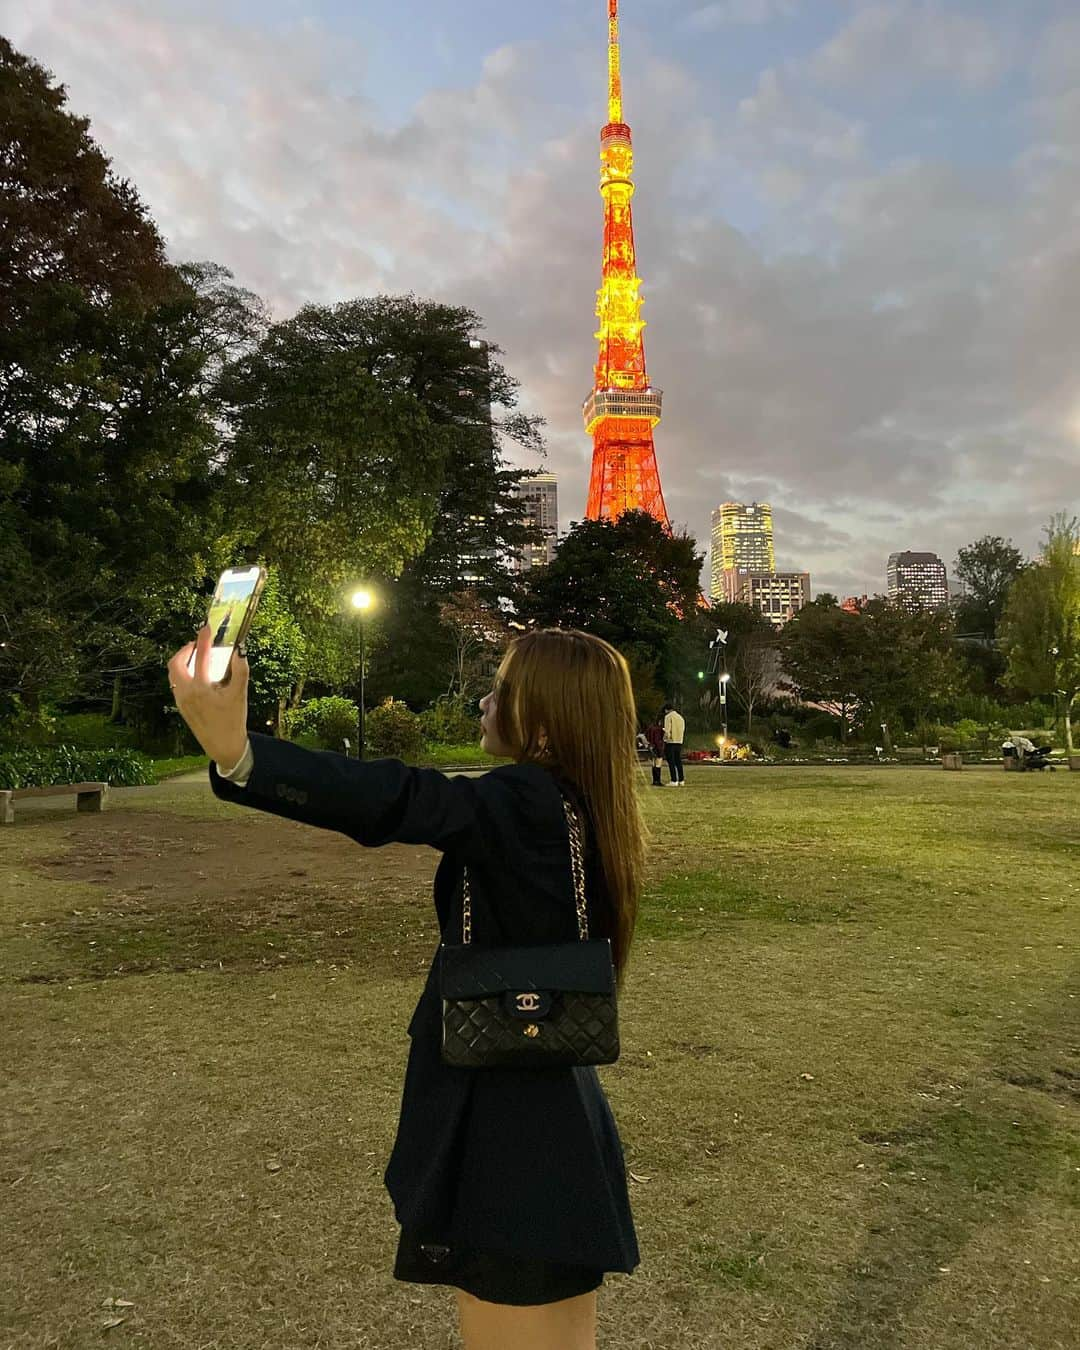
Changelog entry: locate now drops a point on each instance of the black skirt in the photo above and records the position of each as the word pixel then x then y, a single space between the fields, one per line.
pixel 491 1276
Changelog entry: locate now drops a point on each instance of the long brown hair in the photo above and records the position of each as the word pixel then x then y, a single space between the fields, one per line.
pixel 563 699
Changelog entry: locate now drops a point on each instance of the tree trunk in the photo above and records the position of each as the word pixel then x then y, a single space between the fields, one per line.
pixel 279 720
pixel 843 723
pixel 118 684
pixel 884 729
pixel 297 693
pixel 1068 725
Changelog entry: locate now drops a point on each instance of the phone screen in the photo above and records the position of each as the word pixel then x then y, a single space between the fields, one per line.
pixel 234 597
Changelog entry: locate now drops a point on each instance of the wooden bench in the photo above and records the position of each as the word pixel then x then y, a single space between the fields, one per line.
pixel 90 797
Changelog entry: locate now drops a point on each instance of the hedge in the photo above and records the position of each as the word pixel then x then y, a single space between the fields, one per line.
pixel 45 766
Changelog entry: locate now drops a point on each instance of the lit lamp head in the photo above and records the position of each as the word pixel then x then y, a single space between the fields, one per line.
pixel 362 600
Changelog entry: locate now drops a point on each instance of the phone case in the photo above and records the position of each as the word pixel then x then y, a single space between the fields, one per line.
pixel 246 623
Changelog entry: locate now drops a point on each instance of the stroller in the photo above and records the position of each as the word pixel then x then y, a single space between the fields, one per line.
pixel 1029 755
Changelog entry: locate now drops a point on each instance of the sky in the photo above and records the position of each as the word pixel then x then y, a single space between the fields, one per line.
pixel 858 224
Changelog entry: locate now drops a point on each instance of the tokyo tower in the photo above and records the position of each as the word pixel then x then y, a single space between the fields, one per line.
pixel 623 407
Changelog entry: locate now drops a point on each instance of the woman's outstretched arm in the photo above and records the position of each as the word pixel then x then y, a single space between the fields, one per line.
pixel 376 803
pixel 381 801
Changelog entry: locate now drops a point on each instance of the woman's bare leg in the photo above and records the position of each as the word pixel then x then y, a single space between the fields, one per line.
pixel 569 1324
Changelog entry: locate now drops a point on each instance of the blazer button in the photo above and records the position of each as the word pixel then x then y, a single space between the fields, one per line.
pixel 301 798
pixel 282 790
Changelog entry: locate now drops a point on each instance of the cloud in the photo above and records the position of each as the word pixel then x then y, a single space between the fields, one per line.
pixel 889 355
pixel 789 120
pixel 748 12
pixel 891 47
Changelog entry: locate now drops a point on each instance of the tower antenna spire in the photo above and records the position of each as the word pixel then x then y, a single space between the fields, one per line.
pixel 614 64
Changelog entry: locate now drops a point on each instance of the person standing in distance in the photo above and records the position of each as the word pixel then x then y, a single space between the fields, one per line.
pixel 654 734
pixel 674 730
pixel 509 1184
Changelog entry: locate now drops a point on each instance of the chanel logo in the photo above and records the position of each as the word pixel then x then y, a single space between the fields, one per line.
pixel 527 1002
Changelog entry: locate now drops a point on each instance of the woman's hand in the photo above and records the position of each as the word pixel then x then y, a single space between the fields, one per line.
pixel 216 713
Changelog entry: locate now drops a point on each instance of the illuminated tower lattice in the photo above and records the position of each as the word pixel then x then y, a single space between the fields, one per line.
pixel 623 407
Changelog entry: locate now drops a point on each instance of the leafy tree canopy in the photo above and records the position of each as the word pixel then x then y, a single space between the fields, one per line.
pixel 1040 628
pixel 628 581
pixel 823 653
pixel 988 567
pixel 365 441
pixel 106 436
pixel 69 227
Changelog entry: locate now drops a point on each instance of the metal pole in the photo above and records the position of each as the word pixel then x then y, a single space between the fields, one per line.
pixel 363 663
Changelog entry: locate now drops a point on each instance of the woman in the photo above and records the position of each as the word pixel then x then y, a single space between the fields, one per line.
pixel 654 735
pixel 509 1185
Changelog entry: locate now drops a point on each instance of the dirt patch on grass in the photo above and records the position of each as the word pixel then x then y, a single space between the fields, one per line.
pixel 179 894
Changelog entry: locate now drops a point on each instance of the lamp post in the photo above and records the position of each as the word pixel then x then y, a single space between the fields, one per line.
pixel 718 648
pixel 362 601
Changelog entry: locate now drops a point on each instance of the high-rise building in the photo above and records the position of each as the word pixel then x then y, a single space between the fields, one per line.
pixel 475 558
pixel 540 498
pixel 623 407
pixel 779 595
pixel 855 604
pixel 918 580
pixel 742 540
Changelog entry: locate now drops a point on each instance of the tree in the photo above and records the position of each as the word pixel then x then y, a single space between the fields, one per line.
pixel 908 663
pixel 988 567
pixel 276 652
pixel 1040 627
pixel 478 633
pixel 884 665
pixel 755 672
pixel 823 655
pixel 697 658
pixel 69 228
pixel 627 581
pixel 106 504
pixel 364 440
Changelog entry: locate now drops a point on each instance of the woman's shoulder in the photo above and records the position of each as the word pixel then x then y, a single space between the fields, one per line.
pixel 527 790
pixel 520 778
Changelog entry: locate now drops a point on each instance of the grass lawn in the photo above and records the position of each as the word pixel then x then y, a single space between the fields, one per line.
pixel 849 1093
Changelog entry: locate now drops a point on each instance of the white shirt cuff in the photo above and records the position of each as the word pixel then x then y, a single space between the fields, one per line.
pixel 241 772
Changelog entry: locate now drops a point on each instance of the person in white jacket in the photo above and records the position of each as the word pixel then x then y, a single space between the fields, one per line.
pixel 674 730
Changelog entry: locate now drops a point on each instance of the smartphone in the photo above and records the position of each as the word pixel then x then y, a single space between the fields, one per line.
pixel 232 609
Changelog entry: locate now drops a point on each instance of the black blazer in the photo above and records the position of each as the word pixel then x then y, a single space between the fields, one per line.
pixel 519 1161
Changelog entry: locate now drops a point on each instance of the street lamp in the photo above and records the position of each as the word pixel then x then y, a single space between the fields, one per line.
pixel 362 600
pixel 718 648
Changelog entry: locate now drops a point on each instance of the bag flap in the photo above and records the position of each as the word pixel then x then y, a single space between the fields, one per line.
pixel 575 967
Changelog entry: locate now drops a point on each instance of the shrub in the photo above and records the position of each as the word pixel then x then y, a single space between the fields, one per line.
pixel 819 727
pixel 324 722
pixel 968 731
pixel 93 731
pixel 21 727
pixel 46 766
pixel 392 730
pixel 923 733
pixel 450 721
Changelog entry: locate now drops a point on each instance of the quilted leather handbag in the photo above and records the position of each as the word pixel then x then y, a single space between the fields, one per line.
pixel 538 1007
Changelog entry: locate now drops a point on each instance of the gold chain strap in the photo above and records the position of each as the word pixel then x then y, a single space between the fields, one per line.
pixel 577 868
